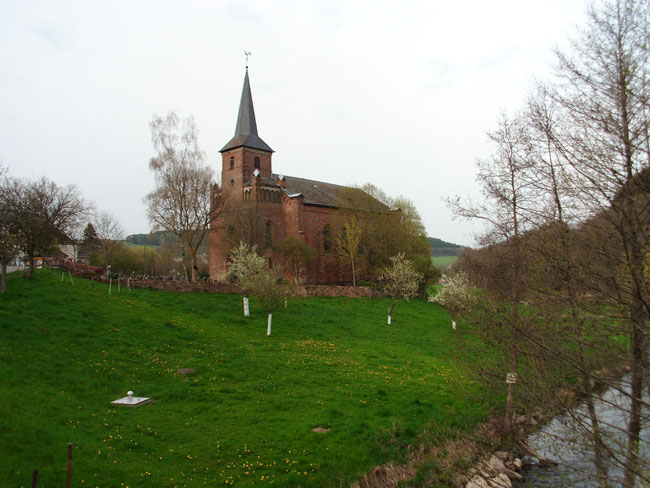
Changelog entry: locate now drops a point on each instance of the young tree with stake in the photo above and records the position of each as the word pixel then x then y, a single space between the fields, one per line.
pixel 456 295
pixel 246 264
pixel 400 280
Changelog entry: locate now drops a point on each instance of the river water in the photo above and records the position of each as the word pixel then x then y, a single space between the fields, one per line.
pixel 558 441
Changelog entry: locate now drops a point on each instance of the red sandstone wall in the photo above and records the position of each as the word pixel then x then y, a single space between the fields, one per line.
pixel 96 274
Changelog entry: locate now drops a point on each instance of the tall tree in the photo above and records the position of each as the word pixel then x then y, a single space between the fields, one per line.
pixel 180 203
pixel 602 93
pixel 508 198
pixel 10 236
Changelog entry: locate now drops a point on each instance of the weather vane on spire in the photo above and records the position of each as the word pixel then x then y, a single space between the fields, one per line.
pixel 248 54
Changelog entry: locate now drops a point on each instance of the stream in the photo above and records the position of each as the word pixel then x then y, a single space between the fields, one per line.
pixel 558 441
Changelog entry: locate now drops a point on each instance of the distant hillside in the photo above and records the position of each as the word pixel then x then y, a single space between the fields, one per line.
pixel 443 248
pixel 153 239
pixel 156 239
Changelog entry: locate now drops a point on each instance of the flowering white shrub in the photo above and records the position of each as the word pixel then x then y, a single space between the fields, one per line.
pixel 456 296
pixel 400 280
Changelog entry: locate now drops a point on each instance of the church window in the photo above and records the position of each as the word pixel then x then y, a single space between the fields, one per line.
pixel 231 230
pixel 268 237
pixel 327 239
pixel 270 262
pixel 232 162
pixel 232 182
pixel 257 162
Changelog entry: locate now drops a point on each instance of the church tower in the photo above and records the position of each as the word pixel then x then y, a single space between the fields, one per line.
pixel 246 151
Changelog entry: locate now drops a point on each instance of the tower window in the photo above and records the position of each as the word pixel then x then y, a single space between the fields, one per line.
pixel 257 162
pixel 232 162
pixel 232 182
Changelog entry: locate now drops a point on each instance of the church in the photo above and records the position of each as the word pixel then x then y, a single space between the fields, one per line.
pixel 266 208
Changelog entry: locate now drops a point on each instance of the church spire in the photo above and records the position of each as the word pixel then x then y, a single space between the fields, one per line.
pixel 246 128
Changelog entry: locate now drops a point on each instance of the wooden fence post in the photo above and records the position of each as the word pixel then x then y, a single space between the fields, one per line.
pixel 68 478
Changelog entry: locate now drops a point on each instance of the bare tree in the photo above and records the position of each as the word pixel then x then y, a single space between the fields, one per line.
pixel 43 212
pixel 180 204
pixel 109 235
pixel 508 199
pixel 602 95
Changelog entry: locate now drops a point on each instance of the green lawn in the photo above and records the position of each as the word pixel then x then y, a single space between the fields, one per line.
pixel 443 262
pixel 245 417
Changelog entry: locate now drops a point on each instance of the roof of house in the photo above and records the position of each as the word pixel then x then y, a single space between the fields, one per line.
pixel 246 128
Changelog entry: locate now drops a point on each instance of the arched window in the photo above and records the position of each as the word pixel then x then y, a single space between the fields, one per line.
pixel 232 182
pixel 257 162
pixel 268 236
pixel 231 230
pixel 327 239
pixel 232 162
pixel 270 262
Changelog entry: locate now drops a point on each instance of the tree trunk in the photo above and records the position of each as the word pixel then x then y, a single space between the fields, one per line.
pixel 193 265
pixel 3 286
pixel 246 307
pixel 30 270
pixel 636 390
pixel 390 310
pixel 354 275
pixel 184 260
pixel 268 325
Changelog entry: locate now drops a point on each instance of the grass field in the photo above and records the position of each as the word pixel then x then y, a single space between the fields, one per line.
pixel 245 416
pixel 443 262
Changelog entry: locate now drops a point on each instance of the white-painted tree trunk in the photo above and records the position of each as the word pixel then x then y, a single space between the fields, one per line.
pixel 453 324
pixel 247 311
pixel 268 326
pixel 389 320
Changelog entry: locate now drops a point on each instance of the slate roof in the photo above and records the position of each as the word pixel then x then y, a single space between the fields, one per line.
pixel 331 195
pixel 246 128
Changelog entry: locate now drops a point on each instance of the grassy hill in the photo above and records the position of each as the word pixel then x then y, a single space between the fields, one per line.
pixel 244 417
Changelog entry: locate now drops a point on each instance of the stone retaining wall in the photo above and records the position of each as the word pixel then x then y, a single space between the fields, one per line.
pixel 97 274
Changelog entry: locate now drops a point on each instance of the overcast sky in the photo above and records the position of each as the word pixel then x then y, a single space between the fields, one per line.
pixel 399 94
